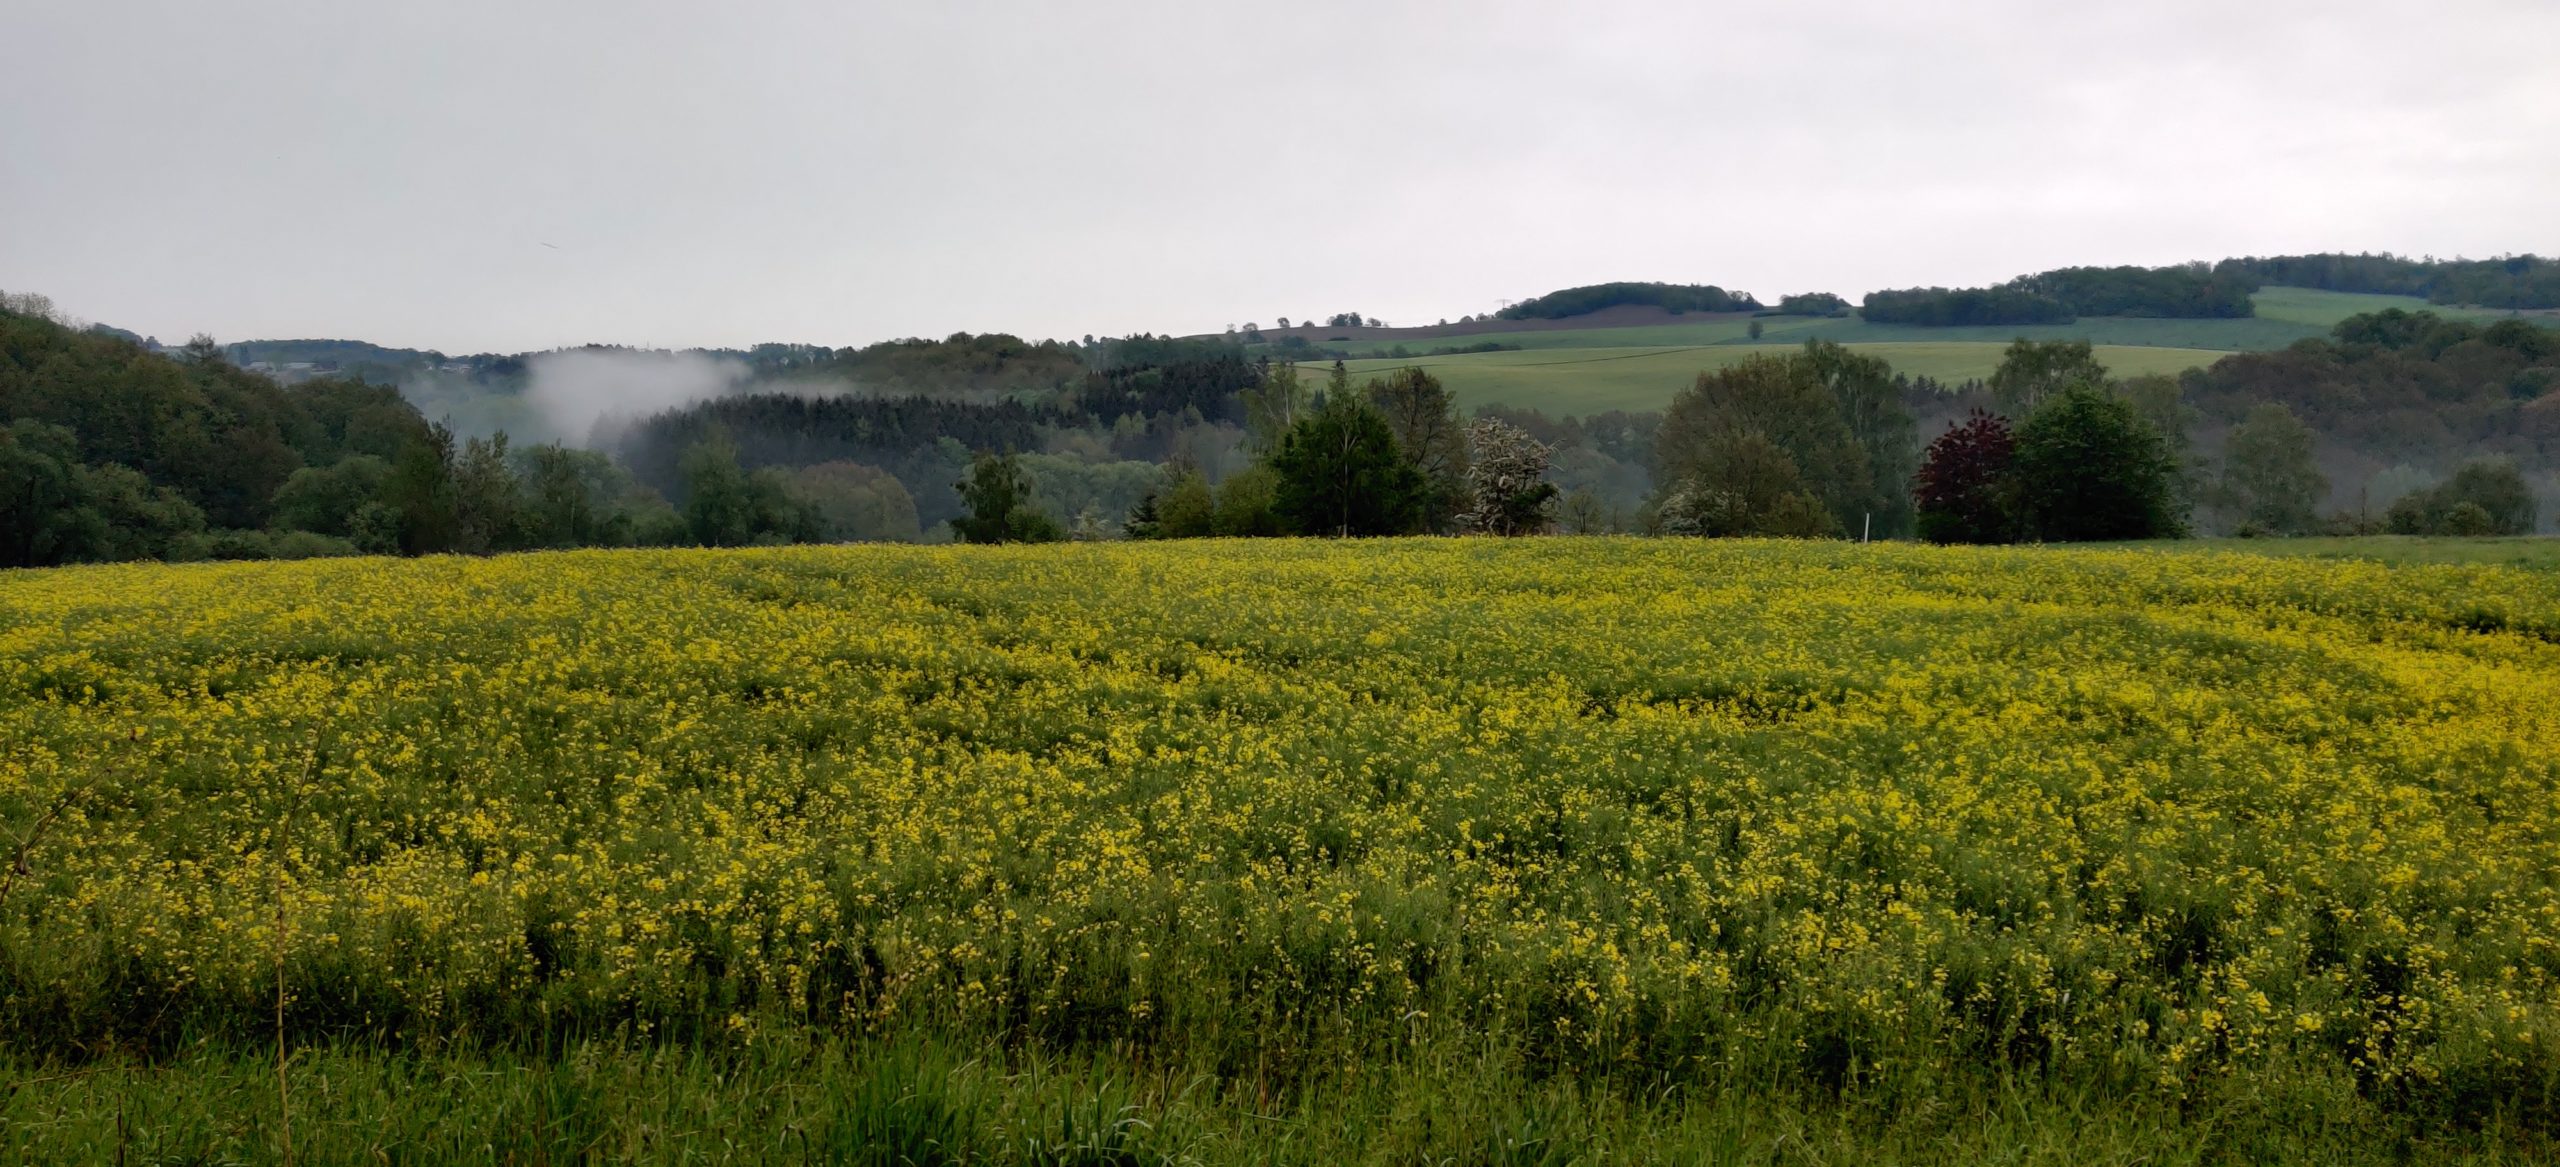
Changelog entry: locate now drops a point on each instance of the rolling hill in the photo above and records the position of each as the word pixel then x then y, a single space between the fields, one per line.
pixel 1636 358
pixel 1635 378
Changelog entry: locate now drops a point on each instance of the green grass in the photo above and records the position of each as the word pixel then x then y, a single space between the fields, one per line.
pixel 2285 315
pixel 2324 310
pixel 796 1101
pixel 1582 370
pixel 2221 336
pixel 1583 381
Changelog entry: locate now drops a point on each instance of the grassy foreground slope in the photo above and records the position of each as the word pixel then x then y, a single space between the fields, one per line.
pixel 1538 851
pixel 1590 380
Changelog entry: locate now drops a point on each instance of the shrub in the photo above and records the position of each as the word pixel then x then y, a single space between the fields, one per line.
pixel 2491 496
pixel 2468 518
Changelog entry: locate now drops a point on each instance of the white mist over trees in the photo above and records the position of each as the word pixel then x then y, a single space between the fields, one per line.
pixel 584 395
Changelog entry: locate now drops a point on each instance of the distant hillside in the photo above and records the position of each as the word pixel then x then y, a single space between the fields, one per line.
pixel 1672 298
pixel 2191 292
pixel 113 451
pixel 2511 282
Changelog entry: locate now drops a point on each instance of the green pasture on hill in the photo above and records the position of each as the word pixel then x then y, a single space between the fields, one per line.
pixel 2216 335
pixel 2285 315
pixel 1592 380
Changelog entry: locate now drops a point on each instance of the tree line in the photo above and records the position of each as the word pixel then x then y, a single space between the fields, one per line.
pixel 2188 291
pixel 2389 385
pixel 2389 394
pixel 1816 443
pixel 2514 281
pixel 113 451
pixel 1673 298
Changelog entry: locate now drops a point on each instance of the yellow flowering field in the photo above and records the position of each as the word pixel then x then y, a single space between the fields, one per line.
pixel 1814 815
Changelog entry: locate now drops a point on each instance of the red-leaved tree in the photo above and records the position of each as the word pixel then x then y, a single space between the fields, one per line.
pixel 1962 490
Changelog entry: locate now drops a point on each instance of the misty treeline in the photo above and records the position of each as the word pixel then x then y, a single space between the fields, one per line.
pixel 114 449
pixel 2401 422
pixel 1187 438
pixel 2394 409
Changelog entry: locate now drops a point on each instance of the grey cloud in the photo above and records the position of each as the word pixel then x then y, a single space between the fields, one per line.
pixel 838 173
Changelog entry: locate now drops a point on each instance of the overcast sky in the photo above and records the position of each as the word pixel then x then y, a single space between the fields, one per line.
pixel 501 176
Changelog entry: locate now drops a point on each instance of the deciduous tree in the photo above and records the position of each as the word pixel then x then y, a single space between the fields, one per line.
pixel 2087 468
pixel 1340 473
pixel 2031 371
pixel 1784 403
pixel 1425 421
pixel 1963 490
pixel 997 493
pixel 1507 488
pixel 2269 472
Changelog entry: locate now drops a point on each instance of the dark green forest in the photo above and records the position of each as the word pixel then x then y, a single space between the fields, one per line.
pixel 1674 298
pixel 2193 291
pixel 2220 290
pixel 2515 281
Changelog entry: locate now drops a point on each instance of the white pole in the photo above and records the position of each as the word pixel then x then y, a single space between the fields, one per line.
pixel 1867 533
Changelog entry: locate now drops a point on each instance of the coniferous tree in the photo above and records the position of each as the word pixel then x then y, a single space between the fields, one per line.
pixel 1143 521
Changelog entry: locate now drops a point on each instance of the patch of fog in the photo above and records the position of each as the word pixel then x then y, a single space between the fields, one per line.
pixel 589 395
pixel 2394 484
pixel 474 410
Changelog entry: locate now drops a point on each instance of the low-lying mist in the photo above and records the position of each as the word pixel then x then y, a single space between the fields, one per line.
pixel 586 396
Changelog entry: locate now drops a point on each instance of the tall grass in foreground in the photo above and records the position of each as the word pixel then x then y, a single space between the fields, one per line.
pixel 926 1103
pixel 1464 850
